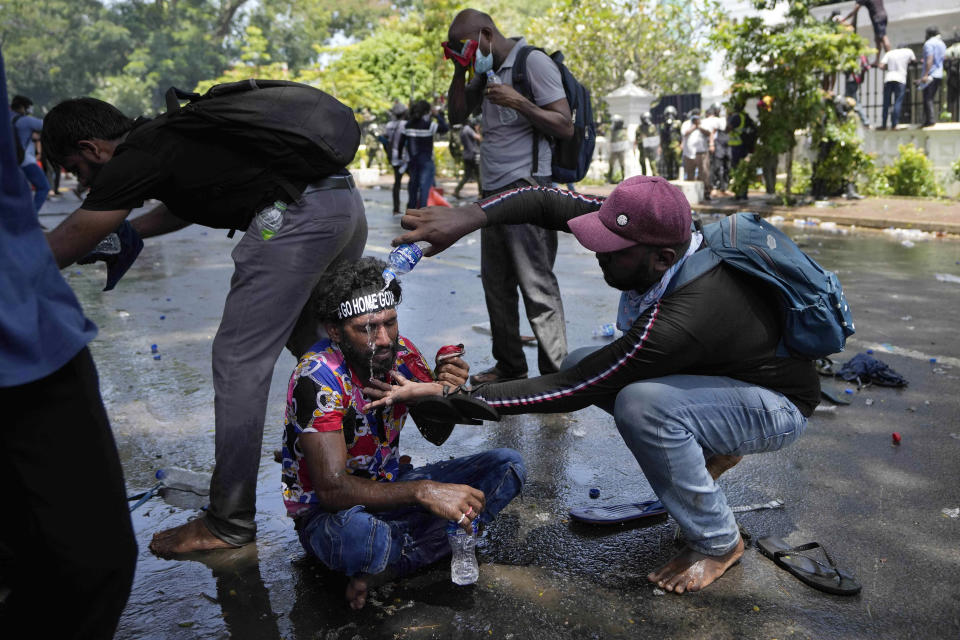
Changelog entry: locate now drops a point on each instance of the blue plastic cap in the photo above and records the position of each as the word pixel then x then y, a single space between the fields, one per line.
pixel 933 359
pixel 156 356
pixel 849 391
pixel 870 351
pixel 595 492
pixel 163 317
pixel 160 474
pixel 153 348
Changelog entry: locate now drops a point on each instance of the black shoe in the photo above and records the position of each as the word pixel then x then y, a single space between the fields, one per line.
pixel 494 375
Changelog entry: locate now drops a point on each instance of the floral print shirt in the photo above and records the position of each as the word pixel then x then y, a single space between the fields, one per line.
pixel 325 394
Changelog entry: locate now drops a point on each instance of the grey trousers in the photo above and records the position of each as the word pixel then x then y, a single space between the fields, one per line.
pixel 271 284
pixel 522 256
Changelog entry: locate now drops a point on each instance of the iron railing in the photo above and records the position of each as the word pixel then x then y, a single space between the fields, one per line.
pixel 870 94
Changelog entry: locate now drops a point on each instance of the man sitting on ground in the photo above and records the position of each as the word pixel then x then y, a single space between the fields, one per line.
pixel 359 507
pixel 694 383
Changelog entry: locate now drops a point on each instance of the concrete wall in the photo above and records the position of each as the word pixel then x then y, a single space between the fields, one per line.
pixel 940 143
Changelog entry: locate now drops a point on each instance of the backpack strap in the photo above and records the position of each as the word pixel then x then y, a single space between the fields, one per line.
pixel 521 82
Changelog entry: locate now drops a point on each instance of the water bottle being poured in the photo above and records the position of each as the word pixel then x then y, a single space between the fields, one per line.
pixel 402 260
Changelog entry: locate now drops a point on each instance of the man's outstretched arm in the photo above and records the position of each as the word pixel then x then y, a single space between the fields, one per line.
pixel 158 221
pixel 546 207
pixel 80 233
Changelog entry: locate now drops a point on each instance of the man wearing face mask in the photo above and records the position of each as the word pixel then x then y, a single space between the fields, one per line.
pixel 520 256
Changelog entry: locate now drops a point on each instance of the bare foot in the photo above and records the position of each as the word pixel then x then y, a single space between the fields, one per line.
pixel 718 464
pixel 690 570
pixel 192 536
pixel 357 591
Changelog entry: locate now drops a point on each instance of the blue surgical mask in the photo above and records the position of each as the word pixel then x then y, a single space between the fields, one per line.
pixel 482 62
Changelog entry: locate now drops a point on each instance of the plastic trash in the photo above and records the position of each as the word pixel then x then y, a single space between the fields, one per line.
pixel 947 277
pixel 895 436
pixel 154 349
pixel 184 480
pixel 595 492
pixel 951 513
pixel 156 356
pixel 463 554
pixel 604 330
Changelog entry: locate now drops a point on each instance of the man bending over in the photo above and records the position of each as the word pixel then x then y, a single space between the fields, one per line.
pixel 358 506
pixel 694 383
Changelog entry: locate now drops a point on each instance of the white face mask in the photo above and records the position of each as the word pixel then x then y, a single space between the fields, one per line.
pixel 482 63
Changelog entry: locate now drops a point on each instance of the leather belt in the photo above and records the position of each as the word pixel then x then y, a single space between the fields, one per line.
pixel 332 182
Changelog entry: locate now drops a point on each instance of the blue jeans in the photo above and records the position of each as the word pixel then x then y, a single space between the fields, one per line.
pixel 355 541
pixel 893 95
pixel 37 178
pixel 673 424
pixel 422 172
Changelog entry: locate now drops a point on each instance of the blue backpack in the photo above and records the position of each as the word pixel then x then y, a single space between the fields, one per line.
pixel 571 158
pixel 816 316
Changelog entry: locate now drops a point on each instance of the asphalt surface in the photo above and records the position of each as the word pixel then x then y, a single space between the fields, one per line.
pixel 875 506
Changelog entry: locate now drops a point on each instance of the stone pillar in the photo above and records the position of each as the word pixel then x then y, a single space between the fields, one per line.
pixel 629 102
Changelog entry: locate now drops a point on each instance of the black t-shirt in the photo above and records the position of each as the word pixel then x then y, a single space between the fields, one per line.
pixel 724 323
pixel 199 180
pixel 874 8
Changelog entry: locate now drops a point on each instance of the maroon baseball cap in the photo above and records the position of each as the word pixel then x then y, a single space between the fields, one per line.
pixel 641 210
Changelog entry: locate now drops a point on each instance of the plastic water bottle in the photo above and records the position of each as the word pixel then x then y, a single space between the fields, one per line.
pixel 507 115
pixel 184 480
pixel 604 330
pixel 463 561
pixel 402 260
pixel 270 219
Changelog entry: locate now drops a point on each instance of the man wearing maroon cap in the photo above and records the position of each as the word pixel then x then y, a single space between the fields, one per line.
pixel 693 384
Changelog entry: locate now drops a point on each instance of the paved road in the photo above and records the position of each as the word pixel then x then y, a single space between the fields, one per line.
pixel 875 506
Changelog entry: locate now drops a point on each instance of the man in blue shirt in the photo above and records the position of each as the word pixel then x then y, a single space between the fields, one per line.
pixel 26 126
pixel 934 50
pixel 68 561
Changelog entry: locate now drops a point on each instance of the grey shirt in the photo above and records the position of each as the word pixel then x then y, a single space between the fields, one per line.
pixel 508 145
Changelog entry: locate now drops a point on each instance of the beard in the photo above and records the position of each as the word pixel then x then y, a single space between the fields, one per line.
pixel 369 363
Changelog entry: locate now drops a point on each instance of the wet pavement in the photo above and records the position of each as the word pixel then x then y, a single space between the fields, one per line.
pixel 876 507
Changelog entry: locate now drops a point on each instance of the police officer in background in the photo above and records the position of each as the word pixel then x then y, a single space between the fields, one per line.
pixel 648 143
pixel 670 143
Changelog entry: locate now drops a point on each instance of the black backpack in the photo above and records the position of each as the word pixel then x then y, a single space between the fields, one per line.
pixel 571 158
pixel 21 152
pixel 301 133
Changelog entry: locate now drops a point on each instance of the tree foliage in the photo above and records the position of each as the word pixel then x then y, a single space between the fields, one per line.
pixel 663 42
pixel 787 62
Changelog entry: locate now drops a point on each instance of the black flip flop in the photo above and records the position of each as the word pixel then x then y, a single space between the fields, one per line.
pixel 824 577
pixel 619 513
pixel 472 408
pixel 833 396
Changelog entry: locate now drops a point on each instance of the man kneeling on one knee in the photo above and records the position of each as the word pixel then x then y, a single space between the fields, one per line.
pixel 694 383
pixel 359 507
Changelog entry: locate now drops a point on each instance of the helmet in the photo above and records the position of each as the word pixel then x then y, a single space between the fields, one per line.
pixel 714 109
pixel 646 116
pixel 670 111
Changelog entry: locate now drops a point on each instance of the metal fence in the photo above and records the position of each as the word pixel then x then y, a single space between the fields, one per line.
pixel 870 94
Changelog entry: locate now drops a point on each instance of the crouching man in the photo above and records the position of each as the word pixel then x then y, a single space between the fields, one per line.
pixel 359 507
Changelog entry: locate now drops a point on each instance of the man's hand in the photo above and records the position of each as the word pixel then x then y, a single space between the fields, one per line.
pixel 452 371
pixel 451 501
pixel 404 392
pixel 506 96
pixel 440 226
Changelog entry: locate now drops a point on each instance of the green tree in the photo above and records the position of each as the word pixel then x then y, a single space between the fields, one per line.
pixel 663 42
pixel 56 49
pixel 786 64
